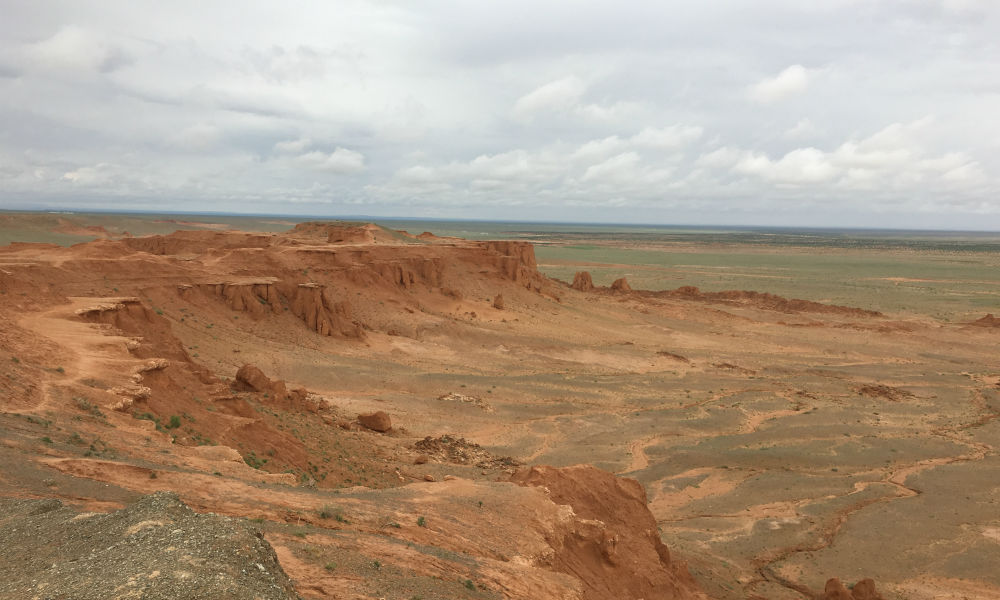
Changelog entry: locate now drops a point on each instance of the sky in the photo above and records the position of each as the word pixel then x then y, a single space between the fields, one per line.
pixel 867 113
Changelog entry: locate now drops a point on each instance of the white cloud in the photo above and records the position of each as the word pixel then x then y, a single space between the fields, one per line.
pixel 292 146
pixel 341 161
pixel 197 137
pixel 792 81
pixel 77 48
pixel 720 158
pixel 671 137
pixel 804 165
pixel 616 168
pixel 561 94
pixel 801 130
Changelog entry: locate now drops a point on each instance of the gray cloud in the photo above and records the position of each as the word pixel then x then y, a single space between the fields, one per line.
pixel 848 112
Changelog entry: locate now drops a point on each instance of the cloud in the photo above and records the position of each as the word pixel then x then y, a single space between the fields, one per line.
pixel 646 114
pixel 803 165
pixel 673 136
pixel 792 81
pixel 562 94
pixel 292 146
pixel 803 129
pixel 340 161
pixel 77 48
pixel 892 158
pixel 201 136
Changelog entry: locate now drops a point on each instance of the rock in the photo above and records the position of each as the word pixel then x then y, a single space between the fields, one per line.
pixel 421 459
pixel 621 285
pixel 251 379
pixel 865 590
pixel 376 421
pixel 582 281
pixel 429 477
pixel 834 590
pixel 498 302
pixel 450 478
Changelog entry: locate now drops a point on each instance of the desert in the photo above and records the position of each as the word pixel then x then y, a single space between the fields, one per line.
pixel 531 414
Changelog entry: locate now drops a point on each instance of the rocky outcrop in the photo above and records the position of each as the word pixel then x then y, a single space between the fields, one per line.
pixel 258 298
pixel 498 302
pixel 516 261
pixel 251 379
pixel 376 421
pixel 612 545
pixel 313 304
pixel 582 281
pixel 621 285
pixel 407 273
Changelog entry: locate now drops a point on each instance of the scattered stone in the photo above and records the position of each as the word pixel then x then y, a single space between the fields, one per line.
pixel 476 400
pixel 429 477
pixel 421 459
pixel 498 302
pixel 884 391
pixel 448 448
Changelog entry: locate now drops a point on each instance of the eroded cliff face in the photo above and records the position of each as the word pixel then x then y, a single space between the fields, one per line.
pixel 612 545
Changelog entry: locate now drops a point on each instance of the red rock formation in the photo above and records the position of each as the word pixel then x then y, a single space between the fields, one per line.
pixel 256 298
pixel 376 421
pixel 516 261
pixel 251 379
pixel 582 281
pixel 613 546
pixel 621 285
pixel 313 305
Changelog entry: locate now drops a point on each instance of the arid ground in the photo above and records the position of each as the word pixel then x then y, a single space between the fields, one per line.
pixel 795 407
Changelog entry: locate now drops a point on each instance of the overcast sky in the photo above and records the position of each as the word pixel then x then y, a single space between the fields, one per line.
pixel 783 112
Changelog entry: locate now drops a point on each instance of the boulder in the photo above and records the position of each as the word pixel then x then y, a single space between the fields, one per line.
pixel 376 421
